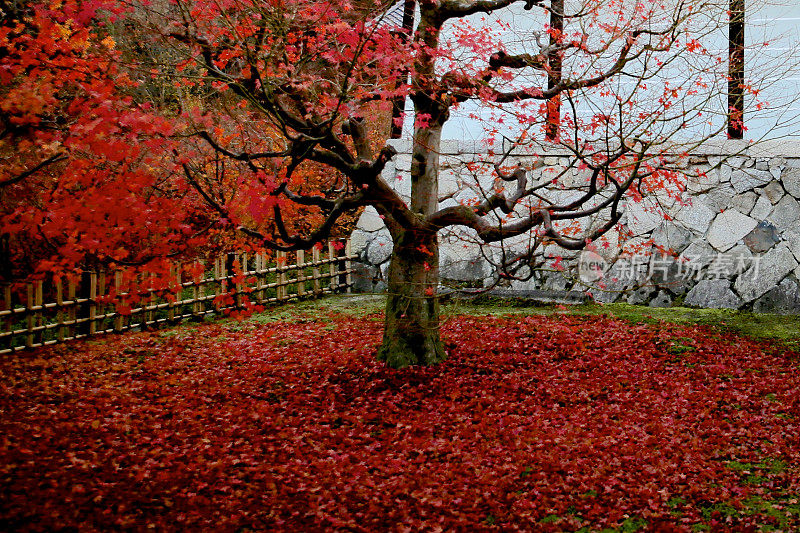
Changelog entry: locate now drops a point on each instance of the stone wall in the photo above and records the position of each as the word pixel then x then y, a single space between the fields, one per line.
pixel 730 240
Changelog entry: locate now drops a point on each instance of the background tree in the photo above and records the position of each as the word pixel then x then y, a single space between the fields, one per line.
pixel 85 178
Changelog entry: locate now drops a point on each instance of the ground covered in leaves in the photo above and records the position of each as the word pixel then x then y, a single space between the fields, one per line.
pixel 546 423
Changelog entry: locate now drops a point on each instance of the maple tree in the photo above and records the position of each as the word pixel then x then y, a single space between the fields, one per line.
pixel 305 71
pixel 85 177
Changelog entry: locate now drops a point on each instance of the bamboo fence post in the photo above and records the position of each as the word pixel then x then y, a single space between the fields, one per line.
pixel 301 273
pixel 197 305
pixel 264 277
pixel 175 293
pixel 179 288
pixel 237 287
pixel 151 308
pixel 92 303
pixel 29 315
pixel 332 267
pixel 281 293
pixel 258 294
pixel 101 291
pixel 347 265
pixel 38 301
pixel 118 318
pixel 72 314
pixel 142 293
pixel 60 311
pixel 9 322
pixel 223 269
pixel 315 269
pixel 219 271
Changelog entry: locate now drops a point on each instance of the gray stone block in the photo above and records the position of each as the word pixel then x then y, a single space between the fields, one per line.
pixel 773 191
pixel 663 299
pixel 765 273
pixel 615 281
pixel 783 299
pixel 642 217
pixel 725 172
pixel 762 209
pixel 696 217
pixel 702 182
pixel 699 252
pixel 730 264
pixel 671 236
pixel 366 278
pixel 748 179
pixel 792 240
pixel 762 238
pixel 786 215
pixel 557 281
pixel 642 295
pixel 358 242
pixel 728 228
pixel 791 181
pixel 714 294
pixel 464 267
pixel 720 198
pixel 369 220
pixel 744 202
pixel 379 250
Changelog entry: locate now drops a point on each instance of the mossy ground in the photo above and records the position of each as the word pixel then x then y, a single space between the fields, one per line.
pixel 784 329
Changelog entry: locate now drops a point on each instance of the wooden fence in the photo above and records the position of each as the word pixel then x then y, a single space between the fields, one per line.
pixel 79 310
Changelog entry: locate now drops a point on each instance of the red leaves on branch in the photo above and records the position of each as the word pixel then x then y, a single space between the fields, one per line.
pixel 533 423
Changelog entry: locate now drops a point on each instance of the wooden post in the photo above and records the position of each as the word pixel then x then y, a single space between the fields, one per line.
pixel 315 269
pixel 153 300
pixel 118 318
pixel 554 67
pixel 92 303
pixel 333 267
pixel 29 315
pixel 237 287
pixel 61 329
pixel 101 291
pixel 72 315
pixel 9 325
pixel 84 293
pixel 347 266
pixel 176 293
pixel 197 306
pixel 219 275
pixel 736 69
pixel 38 301
pixel 301 273
pixel 281 293
pixel 258 294
pixel 399 103
pixel 263 277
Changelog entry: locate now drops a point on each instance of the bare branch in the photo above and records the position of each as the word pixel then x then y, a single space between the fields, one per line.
pixel 462 8
pixel 26 174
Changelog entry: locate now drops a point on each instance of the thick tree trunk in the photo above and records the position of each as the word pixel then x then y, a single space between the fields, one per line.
pixel 411 333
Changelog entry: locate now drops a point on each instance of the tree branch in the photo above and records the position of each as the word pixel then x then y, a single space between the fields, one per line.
pixel 26 174
pixel 462 8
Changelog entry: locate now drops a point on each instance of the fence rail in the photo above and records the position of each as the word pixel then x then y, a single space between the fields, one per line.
pixel 80 310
